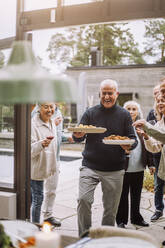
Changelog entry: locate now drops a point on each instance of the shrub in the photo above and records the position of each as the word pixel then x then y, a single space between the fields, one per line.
pixel 148 182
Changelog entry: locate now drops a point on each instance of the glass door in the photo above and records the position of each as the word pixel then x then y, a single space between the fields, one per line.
pixel 7 146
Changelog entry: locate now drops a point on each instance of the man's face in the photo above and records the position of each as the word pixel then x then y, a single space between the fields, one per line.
pixel 47 110
pixel 162 89
pixel 108 96
pixel 156 92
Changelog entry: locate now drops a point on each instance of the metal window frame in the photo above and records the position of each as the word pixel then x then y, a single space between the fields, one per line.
pixel 89 13
pixel 22 133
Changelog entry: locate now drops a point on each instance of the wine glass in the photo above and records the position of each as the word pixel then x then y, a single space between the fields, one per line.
pixel 50 138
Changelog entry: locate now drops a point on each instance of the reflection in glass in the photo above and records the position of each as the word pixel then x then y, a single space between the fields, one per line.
pixel 6 53
pixel 6 146
pixel 39 4
pixel 7 19
pixel 74 2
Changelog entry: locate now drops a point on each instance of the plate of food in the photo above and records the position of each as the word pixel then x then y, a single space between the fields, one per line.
pixel 87 129
pixel 15 231
pixel 29 243
pixel 118 140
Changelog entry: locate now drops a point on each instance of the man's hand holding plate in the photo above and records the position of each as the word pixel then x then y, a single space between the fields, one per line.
pixel 126 148
pixel 78 134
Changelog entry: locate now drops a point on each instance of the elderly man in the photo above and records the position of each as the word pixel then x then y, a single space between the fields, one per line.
pixel 103 163
pixel 151 115
pixel 44 166
pixel 162 87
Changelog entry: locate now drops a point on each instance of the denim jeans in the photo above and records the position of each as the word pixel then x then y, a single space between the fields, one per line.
pixel 37 199
pixel 159 191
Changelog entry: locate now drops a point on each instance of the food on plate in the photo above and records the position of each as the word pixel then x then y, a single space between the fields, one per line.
pixel 87 129
pixel 85 126
pixel 4 238
pixel 30 243
pixel 116 137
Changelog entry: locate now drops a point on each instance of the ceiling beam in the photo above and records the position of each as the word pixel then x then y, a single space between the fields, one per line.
pixel 96 12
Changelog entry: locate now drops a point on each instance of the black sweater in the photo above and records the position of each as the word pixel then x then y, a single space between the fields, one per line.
pixel 97 155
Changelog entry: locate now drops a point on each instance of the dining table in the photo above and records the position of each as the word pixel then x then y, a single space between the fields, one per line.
pixel 20 230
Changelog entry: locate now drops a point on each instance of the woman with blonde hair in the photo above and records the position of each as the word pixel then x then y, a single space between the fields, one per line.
pixel 136 162
pixel 158 182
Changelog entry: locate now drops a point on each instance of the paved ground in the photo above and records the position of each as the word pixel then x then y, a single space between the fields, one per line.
pixel 66 203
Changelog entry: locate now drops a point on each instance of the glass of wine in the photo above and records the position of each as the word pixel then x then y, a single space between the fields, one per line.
pixel 50 138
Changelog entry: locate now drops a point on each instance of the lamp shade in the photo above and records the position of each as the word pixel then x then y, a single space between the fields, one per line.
pixel 23 80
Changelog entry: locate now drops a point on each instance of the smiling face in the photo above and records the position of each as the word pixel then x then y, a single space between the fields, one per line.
pixel 46 111
pixel 108 95
pixel 161 104
pixel 133 109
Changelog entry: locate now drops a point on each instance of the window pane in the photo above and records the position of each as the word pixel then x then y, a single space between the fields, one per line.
pixel 7 18
pixel 6 139
pixel 39 4
pixel 7 146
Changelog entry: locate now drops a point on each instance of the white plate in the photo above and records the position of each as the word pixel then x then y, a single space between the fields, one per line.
pixel 119 142
pixel 18 229
pixel 87 130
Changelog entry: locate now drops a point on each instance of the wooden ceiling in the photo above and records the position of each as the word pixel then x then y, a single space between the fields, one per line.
pixel 95 12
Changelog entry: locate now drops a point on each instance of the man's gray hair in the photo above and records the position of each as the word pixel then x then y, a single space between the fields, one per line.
pixel 156 87
pixel 109 82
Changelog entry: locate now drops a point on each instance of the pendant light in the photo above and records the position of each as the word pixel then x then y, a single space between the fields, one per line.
pixel 24 81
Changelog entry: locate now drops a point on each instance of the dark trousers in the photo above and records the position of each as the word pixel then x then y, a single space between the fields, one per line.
pixel 133 183
pixel 159 192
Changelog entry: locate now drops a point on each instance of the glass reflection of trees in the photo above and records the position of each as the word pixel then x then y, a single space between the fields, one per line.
pixel 6 146
pixel 6 118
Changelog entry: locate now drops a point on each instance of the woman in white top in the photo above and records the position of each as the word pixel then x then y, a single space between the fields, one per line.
pixel 44 166
pixel 153 145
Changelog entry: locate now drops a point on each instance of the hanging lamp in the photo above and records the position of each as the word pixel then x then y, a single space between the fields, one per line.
pixel 23 80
